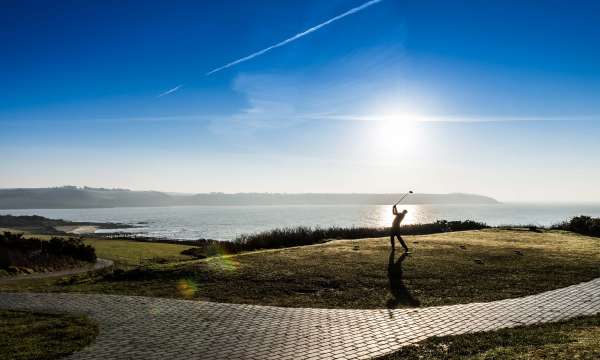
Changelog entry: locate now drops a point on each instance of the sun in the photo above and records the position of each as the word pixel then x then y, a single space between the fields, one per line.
pixel 397 134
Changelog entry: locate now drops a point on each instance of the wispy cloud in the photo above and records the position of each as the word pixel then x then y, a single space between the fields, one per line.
pixel 445 118
pixel 296 37
pixel 170 91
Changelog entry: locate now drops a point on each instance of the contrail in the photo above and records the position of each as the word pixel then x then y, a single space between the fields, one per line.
pixel 296 37
pixel 170 91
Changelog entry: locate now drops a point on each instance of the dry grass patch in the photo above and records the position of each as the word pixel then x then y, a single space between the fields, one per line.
pixel 447 268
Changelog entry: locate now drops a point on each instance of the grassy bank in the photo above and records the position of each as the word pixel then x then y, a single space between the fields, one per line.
pixel 447 268
pixel 299 236
pixel 573 339
pixel 29 336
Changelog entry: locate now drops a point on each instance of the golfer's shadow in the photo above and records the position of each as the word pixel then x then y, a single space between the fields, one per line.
pixel 401 294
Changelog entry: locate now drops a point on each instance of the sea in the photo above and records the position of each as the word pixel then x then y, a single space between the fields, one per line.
pixel 228 222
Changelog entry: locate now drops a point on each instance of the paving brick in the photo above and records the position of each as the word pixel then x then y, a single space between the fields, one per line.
pixel 134 327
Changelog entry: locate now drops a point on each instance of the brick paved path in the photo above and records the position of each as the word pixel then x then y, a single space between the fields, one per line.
pixel 152 328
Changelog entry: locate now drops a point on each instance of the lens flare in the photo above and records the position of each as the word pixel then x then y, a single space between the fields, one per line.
pixel 187 288
pixel 221 259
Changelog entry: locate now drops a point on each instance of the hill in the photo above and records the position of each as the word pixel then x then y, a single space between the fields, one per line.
pixel 75 197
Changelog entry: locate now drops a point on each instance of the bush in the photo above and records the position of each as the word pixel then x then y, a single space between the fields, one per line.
pixel 197 252
pixel 73 248
pixel 585 225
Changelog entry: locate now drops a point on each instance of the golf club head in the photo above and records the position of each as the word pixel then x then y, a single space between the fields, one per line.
pixel 402 198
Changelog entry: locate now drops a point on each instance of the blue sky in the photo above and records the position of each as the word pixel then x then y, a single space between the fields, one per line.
pixel 497 97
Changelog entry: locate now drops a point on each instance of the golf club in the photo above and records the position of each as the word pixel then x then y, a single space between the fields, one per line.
pixel 402 198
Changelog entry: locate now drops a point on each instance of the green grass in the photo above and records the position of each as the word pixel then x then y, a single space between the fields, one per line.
pixel 29 336
pixel 125 252
pixel 577 338
pixel 447 268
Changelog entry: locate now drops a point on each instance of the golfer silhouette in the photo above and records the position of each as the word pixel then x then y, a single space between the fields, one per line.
pixel 399 216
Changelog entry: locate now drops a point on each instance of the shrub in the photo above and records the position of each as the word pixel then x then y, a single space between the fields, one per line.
pixel 197 252
pixel 585 225
pixel 72 247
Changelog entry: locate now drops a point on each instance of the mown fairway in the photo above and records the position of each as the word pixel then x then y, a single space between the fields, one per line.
pixel 135 253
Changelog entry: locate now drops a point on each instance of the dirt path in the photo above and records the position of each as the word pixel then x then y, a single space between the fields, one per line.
pixel 98 265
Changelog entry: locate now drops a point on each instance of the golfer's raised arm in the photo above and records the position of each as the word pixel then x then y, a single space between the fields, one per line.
pixel 394 210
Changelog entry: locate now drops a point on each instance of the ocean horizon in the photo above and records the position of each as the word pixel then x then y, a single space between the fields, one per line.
pixel 227 222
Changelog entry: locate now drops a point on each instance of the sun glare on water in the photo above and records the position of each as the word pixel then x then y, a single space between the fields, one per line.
pixel 386 216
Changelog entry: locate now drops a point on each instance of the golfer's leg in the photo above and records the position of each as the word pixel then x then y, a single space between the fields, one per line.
pixel 402 243
pixel 392 241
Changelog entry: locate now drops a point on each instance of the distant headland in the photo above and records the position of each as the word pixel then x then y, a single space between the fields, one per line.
pixel 74 197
